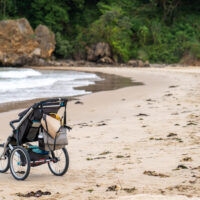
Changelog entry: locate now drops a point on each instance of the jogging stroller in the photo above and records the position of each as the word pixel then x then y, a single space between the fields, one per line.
pixel 19 153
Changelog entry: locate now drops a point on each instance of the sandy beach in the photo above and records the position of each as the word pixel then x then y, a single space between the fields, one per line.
pixel 140 141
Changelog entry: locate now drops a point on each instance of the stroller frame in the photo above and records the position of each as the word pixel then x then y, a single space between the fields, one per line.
pixel 21 133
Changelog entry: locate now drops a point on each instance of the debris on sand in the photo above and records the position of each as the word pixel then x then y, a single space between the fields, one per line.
pixel 175 113
pixel 153 173
pixel 116 188
pixel 38 193
pixel 162 191
pixel 187 159
pixel 181 167
pixel 102 124
pixel 104 153
pixel 89 159
pixel 171 135
pixel 180 188
pixel 90 190
pixel 129 190
pixel 98 185
pixel 113 188
pixel 178 139
pixel 152 138
pixel 176 124
pixel 119 156
pixel 193 182
pixel 196 168
pixel 96 158
pixel 142 115
pixel 168 95
pixel 78 102
pixel 150 100
pixel 83 124
pixel 173 86
pixel 191 123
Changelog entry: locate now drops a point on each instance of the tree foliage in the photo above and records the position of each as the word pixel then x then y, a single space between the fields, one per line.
pixel 157 30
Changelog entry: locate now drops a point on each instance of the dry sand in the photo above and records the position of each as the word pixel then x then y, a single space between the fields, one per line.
pixel 137 139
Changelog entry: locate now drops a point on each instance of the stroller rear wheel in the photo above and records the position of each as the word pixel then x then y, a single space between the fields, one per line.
pixel 4 164
pixel 19 161
pixel 60 164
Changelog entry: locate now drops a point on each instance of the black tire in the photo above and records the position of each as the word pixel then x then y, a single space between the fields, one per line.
pixel 4 166
pixel 66 165
pixel 23 160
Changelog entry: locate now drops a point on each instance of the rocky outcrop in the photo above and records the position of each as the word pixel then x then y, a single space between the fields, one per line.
pixel 138 63
pixel 46 40
pixel 20 45
pixel 101 53
pixel 133 63
pixel 105 60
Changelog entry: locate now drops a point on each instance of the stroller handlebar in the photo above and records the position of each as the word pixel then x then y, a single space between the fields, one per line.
pixel 12 122
pixel 62 101
pixel 54 100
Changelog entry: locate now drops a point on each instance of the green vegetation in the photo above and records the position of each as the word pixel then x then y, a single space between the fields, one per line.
pixel 162 31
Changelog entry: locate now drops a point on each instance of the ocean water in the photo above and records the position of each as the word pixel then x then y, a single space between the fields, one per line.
pixel 18 84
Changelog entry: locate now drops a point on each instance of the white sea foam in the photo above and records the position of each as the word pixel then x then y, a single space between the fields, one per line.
pixel 19 73
pixel 23 84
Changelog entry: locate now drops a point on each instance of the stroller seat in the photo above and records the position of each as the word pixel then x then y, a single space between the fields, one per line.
pixel 19 154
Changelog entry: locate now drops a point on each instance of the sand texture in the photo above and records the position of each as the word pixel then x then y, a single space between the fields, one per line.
pixel 139 142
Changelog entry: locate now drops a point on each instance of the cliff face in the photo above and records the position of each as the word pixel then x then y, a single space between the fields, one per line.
pixel 20 45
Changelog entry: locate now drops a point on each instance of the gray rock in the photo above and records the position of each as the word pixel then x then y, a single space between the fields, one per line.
pixel 146 64
pixel 105 60
pixel 133 63
pixel 46 40
pixel 140 63
pixel 96 52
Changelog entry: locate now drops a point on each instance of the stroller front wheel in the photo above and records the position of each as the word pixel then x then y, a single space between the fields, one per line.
pixel 19 162
pixel 4 163
pixel 60 166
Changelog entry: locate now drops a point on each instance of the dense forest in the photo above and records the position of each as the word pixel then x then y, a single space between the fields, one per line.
pixel 161 31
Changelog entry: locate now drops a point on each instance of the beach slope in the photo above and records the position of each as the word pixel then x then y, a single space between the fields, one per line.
pixel 138 142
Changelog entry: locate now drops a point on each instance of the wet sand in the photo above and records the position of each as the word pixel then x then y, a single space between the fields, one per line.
pixel 108 82
pixel 138 142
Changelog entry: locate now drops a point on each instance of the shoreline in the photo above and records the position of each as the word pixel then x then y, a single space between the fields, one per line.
pixel 108 82
pixel 124 138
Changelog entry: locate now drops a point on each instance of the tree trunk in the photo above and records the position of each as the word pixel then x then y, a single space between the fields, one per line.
pixel 4 8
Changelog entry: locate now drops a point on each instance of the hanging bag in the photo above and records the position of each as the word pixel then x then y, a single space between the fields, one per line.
pixel 55 135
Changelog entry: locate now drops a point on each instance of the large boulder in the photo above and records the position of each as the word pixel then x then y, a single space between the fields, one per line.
pixel 101 53
pixel 19 45
pixel 102 49
pixel 133 63
pixel 138 63
pixel 105 60
pixel 90 54
pixel 46 40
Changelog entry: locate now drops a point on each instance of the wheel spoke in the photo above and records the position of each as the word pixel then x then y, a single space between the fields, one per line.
pixel 60 167
pixel 19 163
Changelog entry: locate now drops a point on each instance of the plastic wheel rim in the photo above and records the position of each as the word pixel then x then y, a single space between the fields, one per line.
pixel 59 166
pixel 16 164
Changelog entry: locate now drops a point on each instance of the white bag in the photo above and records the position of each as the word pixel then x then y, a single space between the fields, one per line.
pixel 53 125
pixel 57 143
